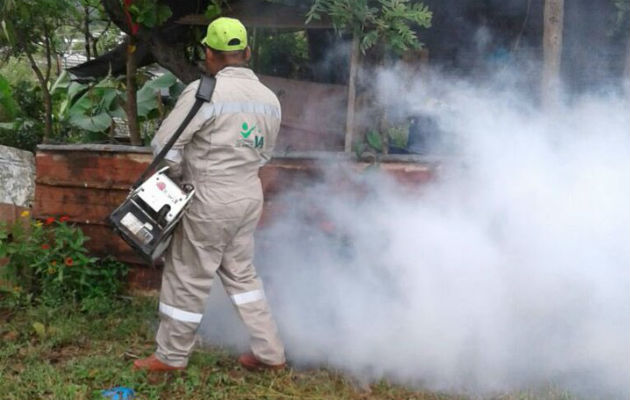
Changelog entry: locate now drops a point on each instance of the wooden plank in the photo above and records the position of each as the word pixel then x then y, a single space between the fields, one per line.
pixel 105 242
pixel 414 176
pixel 85 205
pixel 276 179
pixel 9 213
pixel 58 194
pixel 94 148
pixel 309 122
pixel 90 169
pixel 143 278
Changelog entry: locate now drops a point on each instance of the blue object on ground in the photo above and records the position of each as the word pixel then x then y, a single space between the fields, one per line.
pixel 118 393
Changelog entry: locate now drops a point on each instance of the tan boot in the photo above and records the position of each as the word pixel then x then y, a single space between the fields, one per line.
pixel 251 363
pixel 152 364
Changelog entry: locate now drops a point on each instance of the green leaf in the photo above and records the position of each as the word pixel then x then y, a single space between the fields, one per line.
pixel 359 148
pixel 147 96
pixel 7 28
pixel 163 13
pixel 8 105
pixel 374 140
pixel 62 82
pixel 369 40
pixel 95 123
pixel 92 110
pixel 212 11
pixel 75 88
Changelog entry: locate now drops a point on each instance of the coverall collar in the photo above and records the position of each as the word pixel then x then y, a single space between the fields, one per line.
pixel 237 72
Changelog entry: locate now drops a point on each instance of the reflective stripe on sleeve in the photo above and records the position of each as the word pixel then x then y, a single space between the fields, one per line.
pixel 247 297
pixel 174 155
pixel 180 315
pixel 155 146
pixel 214 109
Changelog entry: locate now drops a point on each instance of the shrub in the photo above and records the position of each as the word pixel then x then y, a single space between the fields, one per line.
pixel 48 263
pixel 26 130
pixel 282 54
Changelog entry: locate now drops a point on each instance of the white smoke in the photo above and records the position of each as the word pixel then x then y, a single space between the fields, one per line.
pixel 508 271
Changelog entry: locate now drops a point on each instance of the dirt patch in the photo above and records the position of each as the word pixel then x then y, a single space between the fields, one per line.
pixel 5 315
pixel 62 354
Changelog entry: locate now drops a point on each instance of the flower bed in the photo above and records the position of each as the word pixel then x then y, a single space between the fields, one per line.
pixel 47 261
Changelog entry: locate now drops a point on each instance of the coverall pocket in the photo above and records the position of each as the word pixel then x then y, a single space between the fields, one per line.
pixel 235 210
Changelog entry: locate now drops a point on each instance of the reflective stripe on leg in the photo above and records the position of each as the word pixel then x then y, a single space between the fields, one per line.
pixel 180 315
pixel 247 297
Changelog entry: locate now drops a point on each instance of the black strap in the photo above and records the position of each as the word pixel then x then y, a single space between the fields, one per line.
pixel 204 94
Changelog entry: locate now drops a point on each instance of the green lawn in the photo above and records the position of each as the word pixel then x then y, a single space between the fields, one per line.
pixel 53 353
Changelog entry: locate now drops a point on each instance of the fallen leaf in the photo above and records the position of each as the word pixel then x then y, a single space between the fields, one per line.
pixel 40 329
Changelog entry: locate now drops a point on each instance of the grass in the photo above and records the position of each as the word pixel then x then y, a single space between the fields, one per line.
pixel 63 353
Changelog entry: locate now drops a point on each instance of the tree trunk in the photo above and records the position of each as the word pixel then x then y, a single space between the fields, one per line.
pixel 352 93
pixel 48 112
pixel 43 83
pixel 131 107
pixel 255 47
pixel 552 52
pixel 86 31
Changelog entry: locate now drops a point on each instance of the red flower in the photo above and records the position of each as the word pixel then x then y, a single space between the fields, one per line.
pixel 64 218
pixel 69 261
pixel 45 246
pixel 49 220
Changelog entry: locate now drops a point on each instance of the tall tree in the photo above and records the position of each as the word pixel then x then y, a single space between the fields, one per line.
pixel 30 28
pixel 552 51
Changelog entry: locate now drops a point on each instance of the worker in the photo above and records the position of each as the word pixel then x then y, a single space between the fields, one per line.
pixel 219 153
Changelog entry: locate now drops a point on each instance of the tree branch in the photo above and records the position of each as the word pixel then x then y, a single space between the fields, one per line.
pixel 35 68
pixel 86 31
pixel 114 9
pixel 95 39
pixel 173 58
pixel 48 55
pixel 113 62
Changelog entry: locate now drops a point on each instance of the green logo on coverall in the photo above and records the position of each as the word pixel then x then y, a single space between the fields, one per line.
pixel 259 141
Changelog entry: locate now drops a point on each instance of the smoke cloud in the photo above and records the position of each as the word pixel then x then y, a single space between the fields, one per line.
pixel 508 271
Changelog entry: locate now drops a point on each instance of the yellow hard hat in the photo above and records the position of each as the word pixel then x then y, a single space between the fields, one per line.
pixel 226 34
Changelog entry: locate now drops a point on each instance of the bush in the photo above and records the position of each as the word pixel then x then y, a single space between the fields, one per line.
pixel 282 54
pixel 48 263
pixel 22 133
pixel 27 129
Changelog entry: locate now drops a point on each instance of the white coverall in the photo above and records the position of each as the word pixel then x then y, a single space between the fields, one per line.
pixel 220 153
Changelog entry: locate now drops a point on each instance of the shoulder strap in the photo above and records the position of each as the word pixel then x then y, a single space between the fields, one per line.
pixel 203 95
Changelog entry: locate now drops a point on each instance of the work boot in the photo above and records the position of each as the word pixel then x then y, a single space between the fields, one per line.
pixel 251 363
pixel 152 364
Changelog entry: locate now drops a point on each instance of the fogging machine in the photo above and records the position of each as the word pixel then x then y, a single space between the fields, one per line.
pixel 154 206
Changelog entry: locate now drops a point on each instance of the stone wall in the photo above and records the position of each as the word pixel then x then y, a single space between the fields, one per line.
pixel 17 182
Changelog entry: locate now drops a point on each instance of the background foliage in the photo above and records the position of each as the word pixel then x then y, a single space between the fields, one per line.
pixel 390 22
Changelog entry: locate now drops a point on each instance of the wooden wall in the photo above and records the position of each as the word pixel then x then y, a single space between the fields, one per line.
pixel 86 182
